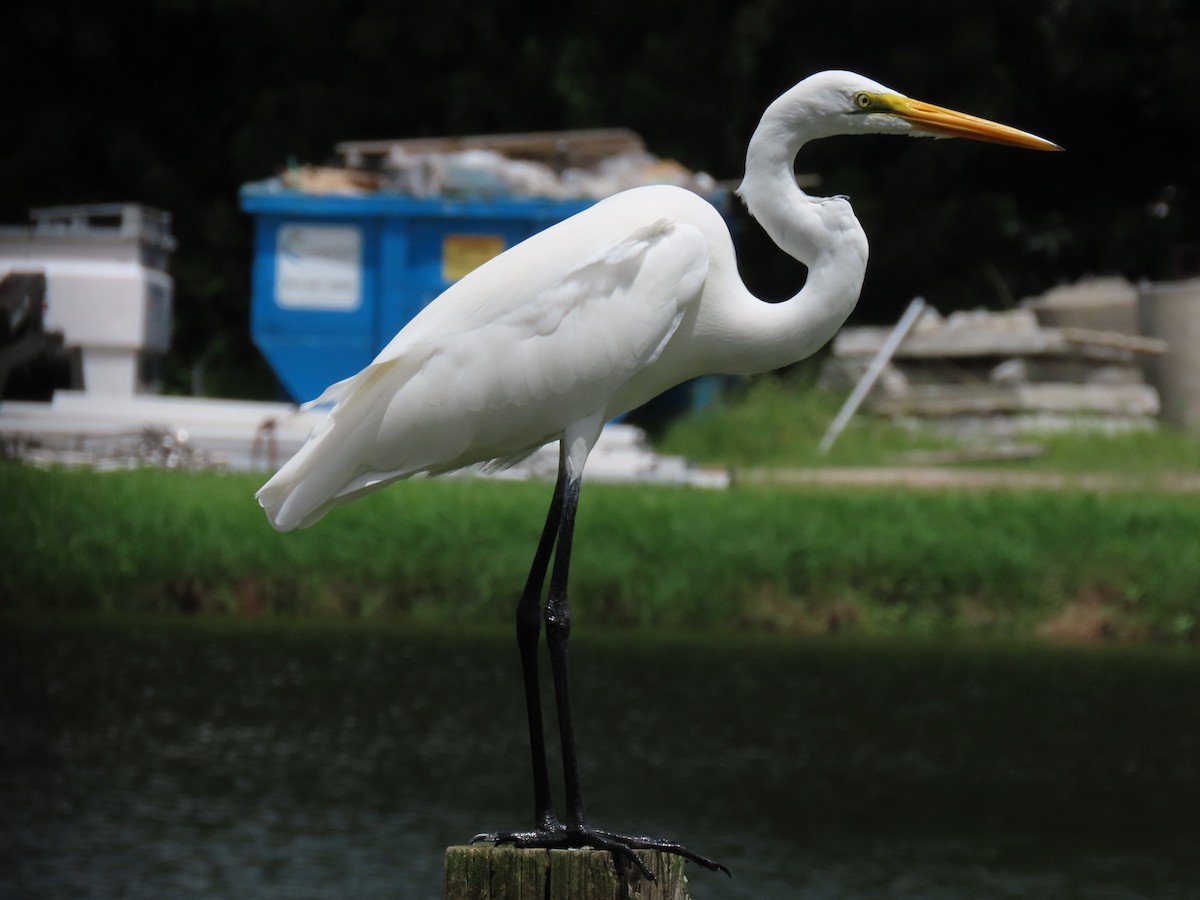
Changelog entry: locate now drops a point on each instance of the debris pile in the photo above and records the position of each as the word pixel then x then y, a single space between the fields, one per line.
pixel 1002 374
pixel 566 165
pixel 152 446
pixel 113 433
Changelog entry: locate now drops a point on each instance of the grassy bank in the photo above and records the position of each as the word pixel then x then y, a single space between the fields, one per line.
pixel 1065 564
pixel 770 421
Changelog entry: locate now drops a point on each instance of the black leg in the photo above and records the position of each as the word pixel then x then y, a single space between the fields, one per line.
pixel 549 832
pixel 558 634
pixel 529 619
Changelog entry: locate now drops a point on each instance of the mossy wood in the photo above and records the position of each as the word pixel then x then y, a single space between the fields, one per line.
pixel 487 872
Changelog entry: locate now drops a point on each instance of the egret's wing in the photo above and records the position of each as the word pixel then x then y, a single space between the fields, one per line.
pixel 589 329
pixel 499 364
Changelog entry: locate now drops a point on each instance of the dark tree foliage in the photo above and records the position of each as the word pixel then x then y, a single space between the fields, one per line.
pixel 176 103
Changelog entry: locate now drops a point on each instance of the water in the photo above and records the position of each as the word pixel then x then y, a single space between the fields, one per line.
pixel 308 761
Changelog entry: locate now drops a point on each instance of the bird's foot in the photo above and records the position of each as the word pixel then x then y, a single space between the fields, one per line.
pixel 556 836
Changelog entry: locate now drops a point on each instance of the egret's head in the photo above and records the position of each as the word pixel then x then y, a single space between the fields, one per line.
pixel 846 103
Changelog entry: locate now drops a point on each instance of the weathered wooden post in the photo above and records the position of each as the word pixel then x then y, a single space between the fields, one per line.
pixel 487 872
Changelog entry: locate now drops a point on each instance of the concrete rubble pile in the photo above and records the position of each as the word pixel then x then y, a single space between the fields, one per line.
pixel 1070 359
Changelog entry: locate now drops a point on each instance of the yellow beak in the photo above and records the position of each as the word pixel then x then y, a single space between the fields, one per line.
pixel 938 120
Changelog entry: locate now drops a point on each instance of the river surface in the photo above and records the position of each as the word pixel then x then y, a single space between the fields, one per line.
pixel 218 760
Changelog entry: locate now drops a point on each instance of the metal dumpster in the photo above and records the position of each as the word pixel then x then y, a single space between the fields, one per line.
pixel 335 277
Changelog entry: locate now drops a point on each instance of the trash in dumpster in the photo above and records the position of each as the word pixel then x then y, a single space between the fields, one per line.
pixel 329 180
pixel 557 165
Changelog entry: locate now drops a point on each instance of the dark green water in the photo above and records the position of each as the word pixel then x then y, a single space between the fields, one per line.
pixel 185 760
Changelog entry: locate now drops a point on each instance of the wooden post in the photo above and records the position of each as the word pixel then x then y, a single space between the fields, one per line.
pixel 487 872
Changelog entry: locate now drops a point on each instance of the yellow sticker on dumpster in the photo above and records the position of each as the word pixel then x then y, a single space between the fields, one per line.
pixel 461 253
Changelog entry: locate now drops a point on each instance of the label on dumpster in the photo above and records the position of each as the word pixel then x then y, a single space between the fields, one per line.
pixel 461 253
pixel 319 267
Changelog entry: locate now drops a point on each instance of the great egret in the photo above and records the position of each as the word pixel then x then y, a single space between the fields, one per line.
pixel 586 320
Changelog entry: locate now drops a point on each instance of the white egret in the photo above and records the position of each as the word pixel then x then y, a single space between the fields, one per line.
pixel 580 323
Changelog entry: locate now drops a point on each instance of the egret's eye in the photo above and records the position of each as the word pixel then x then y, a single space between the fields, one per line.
pixel 863 100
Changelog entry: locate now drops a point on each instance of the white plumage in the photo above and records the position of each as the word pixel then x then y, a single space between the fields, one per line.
pixel 604 311
pixel 586 320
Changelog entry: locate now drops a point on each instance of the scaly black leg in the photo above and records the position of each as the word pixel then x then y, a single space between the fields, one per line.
pixel 549 832
pixel 558 635
pixel 529 625
pixel 529 621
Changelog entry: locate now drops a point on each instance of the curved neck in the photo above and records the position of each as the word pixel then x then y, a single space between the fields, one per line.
pixel 822 233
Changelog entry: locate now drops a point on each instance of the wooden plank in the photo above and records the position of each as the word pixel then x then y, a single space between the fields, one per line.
pixel 487 872
pixel 988 399
pixel 1116 339
pixel 968 342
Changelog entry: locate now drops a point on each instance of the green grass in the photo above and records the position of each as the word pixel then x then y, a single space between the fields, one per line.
pixel 1137 453
pixel 770 421
pixel 872 562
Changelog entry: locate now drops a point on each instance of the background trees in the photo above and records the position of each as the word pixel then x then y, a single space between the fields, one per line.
pixel 176 103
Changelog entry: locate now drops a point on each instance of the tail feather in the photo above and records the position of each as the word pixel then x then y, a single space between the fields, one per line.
pixel 294 497
pixel 333 466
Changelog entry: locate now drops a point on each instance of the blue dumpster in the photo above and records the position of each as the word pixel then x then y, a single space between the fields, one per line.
pixel 335 277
